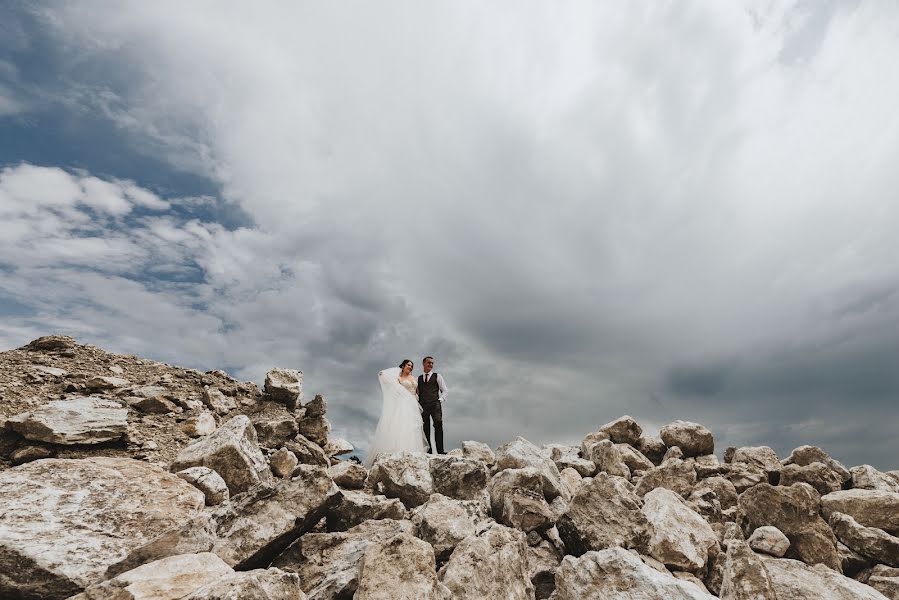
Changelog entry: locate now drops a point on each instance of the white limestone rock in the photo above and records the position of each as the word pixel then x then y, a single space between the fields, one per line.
pixel 400 568
pixel 679 538
pixel 769 540
pixel 794 580
pixel 86 420
pixel 214 488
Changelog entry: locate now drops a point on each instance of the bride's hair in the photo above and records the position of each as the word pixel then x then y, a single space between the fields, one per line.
pixel 403 364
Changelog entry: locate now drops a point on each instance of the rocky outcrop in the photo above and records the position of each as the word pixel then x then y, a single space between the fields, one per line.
pixel 674 474
pixel 207 481
pixel 460 478
pixel 400 568
pixel 491 563
pixel 871 508
pixel 623 430
pixel 348 474
pixel 285 385
pixel 745 576
pixel 258 584
pixel 806 455
pixel 521 454
pixel 692 438
pixel 794 580
pixel 356 507
pixel 444 522
pixel 85 420
pixel 679 538
pixel 405 475
pixel 873 543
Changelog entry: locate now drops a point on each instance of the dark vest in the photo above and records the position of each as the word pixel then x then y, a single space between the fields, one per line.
pixel 429 392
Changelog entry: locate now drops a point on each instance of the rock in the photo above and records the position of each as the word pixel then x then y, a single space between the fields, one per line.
pixel 258 584
pixel 603 514
pixel 806 455
pixel 505 481
pixel 492 563
pixel 308 452
pixel 52 371
pixel 723 489
pixel 52 343
pixel 285 385
pixel 84 420
pixel 590 439
pixel 357 507
pixel 793 580
pixel 214 488
pixel 867 477
pixel 616 574
pixel 283 462
pixel 199 425
pixel 338 447
pixel 582 466
pixel 571 481
pixel 691 578
pixel 255 527
pixel 692 438
pixel 520 454
pixel 316 429
pixel 623 430
pixel 190 537
pixel 404 475
pixel 871 508
pixel 543 560
pixel 27 454
pixel 444 522
pixel 852 561
pixel 673 453
pixel 400 568
pixel 167 578
pixel 317 407
pixel 275 432
pixel 871 542
pixel 217 401
pixel 93 513
pixel 461 478
pixel 745 577
pixel 105 383
pixel 156 405
pixel 328 563
pixel 793 510
pixel 769 540
pixel 762 457
pixel 232 452
pixel 679 537
pixel 527 510
pixel 348 474
pixel 885 580
pixel 633 459
pixel 818 475
pixel 652 448
pixel 607 458
pixel 478 451
pixel 675 475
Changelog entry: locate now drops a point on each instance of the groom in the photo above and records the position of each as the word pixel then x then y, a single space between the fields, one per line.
pixel 431 394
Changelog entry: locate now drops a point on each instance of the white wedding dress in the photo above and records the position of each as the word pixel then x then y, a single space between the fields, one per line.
pixel 400 426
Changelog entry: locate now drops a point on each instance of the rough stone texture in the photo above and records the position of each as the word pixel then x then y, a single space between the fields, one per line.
pixel 745 577
pixel 214 488
pixel 307 451
pixel 102 382
pixel 806 455
pixel 607 458
pixel 478 451
pixel 199 425
pixel 634 460
pixel 723 489
pixel 444 522
pixel 679 537
pixel 505 481
pixel 692 438
pixel 255 527
pixel 275 432
pixel 284 385
pixel 674 474
pixel 769 540
pixel 603 514
pixel 404 475
pixel 885 580
pixel 763 457
pixel 590 439
pixel 356 507
pixel 84 420
pixel 492 563
pixel 616 574
pixel 348 474
pixel 743 476
pixel 316 428
pixel 794 580
pixel 172 577
pixel 259 584
pixel 520 454
pixel 93 513
pixel 871 542
pixel 155 405
pixel 818 475
pixel 543 560
pixel 328 563
pixel 232 452
pixel 283 462
pixel 217 401
pixel 852 561
pixel 571 481
pixel 623 430
pixel 338 447
pixel 461 478
pixel 584 467
pixel 527 510
pixel 866 477
pixel 26 454
pixel 652 448
pixel 400 568
pixel 871 508
pixel 793 510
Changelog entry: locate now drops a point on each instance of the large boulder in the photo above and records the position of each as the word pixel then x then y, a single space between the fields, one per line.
pixel 871 542
pixel 258 584
pixel 816 474
pixel 871 508
pixel 232 452
pixel 358 506
pixel 794 510
pixel 348 474
pixel 285 385
pixel 86 420
pixel 769 540
pixel 692 438
pixel 478 451
pixel 763 457
pixel 680 538
pixel 527 510
pixel 207 481
pixel 520 454
pixel 607 458
pixel 400 568
pixel 883 579
pixel 444 522
pixel 64 522
pixel 505 481
pixel 403 475
pixel 652 448
pixel 806 455
pixel 255 527
pixel 866 477
pixel 461 478
pixel 316 428
pixel 491 563
pixel 623 430
pixel 675 474
pixel 216 400
pixel 633 458
pixel 603 513
pixel 543 560
pixel 744 576
pixel 724 490
pixel 616 574
pixel 307 451
pixel 274 432
pixel 794 580
pixel 328 563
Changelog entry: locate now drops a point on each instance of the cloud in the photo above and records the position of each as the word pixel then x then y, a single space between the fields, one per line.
pixel 672 211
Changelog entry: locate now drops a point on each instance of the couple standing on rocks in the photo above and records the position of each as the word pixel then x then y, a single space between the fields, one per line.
pixel 409 405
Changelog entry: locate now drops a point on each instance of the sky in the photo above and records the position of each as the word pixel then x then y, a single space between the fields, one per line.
pixel 673 210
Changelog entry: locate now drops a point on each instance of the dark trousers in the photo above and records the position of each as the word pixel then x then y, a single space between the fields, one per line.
pixel 433 411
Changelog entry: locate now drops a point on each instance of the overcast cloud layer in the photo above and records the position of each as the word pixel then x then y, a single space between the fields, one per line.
pixel 669 209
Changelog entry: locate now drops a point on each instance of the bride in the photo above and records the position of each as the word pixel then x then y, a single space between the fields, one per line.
pixel 400 426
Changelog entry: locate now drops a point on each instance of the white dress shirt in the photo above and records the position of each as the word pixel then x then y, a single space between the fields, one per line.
pixel 440 383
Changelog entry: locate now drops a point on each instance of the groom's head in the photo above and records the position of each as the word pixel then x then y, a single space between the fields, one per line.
pixel 427 363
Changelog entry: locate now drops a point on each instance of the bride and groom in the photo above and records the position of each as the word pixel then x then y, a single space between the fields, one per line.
pixel 408 407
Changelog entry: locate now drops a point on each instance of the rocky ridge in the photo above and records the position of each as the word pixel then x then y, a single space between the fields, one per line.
pixel 127 479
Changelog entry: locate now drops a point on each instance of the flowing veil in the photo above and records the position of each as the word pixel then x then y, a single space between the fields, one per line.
pixel 400 426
